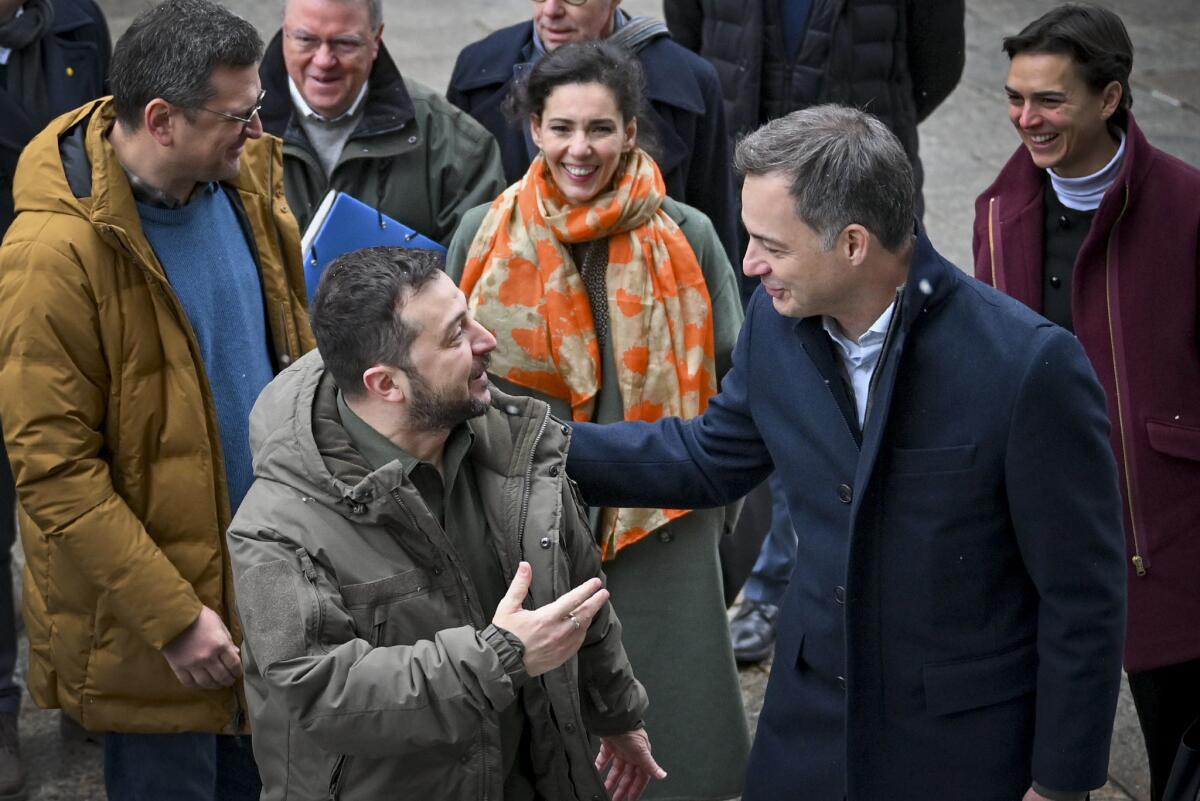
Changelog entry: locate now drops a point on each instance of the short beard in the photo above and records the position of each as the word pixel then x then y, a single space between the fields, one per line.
pixel 430 410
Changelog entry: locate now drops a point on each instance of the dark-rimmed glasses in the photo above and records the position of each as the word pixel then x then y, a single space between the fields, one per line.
pixel 568 2
pixel 245 119
pixel 340 46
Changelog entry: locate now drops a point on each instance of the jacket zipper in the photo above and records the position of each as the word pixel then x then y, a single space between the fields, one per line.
pixel 528 489
pixel 337 776
pixel 466 598
pixel 1139 563
pixel 467 611
pixel 992 238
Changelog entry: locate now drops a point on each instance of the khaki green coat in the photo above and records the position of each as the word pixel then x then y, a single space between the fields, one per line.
pixel 371 670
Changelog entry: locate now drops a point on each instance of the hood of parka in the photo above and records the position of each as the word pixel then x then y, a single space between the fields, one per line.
pixel 70 168
pixel 297 439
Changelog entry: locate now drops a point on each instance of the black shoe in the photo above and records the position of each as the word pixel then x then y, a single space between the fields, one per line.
pixel 753 631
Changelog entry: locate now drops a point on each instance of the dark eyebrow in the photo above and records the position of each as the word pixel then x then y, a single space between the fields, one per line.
pixel 1037 95
pixel 593 121
pixel 768 241
pixel 448 330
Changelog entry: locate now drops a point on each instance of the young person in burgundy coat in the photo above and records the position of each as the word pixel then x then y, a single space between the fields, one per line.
pixel 1098 230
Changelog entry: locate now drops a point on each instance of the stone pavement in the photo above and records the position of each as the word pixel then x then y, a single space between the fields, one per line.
pixel 963 145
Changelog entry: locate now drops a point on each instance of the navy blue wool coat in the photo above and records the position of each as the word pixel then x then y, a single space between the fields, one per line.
pixel 954 624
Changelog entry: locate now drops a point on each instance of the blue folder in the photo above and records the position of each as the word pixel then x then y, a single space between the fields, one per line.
pixel 344 223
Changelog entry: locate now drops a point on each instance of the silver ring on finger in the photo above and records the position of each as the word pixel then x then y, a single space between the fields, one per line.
pixel 574 620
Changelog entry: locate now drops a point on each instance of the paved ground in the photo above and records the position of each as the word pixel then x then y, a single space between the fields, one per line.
pixel 963 145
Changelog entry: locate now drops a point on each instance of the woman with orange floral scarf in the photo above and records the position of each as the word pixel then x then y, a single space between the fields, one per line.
pixel 611 301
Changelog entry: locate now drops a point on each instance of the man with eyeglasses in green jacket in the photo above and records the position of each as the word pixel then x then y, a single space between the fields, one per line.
pixel 351 122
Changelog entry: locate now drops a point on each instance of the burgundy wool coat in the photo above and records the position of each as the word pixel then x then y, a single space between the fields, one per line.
pixel 1136 309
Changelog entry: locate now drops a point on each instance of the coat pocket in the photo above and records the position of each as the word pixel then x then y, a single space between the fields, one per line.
pixel 394 610
pixel 964 684
pixel 1174 439
pixel 932 460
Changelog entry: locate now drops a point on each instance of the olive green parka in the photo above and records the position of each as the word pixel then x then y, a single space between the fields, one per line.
pixel 413 155
pixel 112 430
pixel 371 668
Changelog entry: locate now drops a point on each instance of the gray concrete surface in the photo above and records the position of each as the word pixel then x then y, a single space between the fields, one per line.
pixel 963 145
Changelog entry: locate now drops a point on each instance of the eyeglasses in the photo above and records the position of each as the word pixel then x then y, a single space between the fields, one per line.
pixel 341 46
pixel 244 119
pixel 568 2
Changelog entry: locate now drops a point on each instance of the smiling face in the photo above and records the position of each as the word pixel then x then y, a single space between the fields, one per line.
pixel 207 146
pixel 583 135
pixel 802 277
pixel 560 23
pixel 329 49
pixel 1062 122
pixel 448 380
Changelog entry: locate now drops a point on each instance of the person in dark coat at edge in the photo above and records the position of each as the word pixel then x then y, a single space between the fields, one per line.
pixel 682 90
pixel 1094 227
pixel 954 625
pixel 897 60
pixel 53 57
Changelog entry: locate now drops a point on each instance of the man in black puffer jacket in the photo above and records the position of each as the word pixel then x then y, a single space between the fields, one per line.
pixel 897 59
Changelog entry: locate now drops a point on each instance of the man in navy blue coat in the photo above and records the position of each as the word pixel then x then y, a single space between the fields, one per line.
pixel 953 626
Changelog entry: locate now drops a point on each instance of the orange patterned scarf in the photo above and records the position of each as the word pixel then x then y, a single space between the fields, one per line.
pixel 522 283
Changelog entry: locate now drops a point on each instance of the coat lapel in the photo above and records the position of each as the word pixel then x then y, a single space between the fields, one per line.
pixel 820 350
pixel 930 279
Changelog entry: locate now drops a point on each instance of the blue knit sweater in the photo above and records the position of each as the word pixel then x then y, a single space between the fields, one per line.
pixel 211 267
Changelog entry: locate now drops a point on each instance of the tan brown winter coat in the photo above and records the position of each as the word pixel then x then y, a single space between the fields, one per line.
pixel 112 431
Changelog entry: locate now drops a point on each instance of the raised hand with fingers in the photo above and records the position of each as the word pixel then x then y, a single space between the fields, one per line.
pixel 552 634
pixel 629 763
pixel 204 654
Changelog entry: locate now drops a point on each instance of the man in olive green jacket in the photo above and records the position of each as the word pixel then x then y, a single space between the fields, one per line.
pixel 405 563
pixel 351 122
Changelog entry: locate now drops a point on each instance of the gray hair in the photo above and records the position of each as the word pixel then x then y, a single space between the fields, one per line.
pixel 374 11
pixel 171 50
pixel 842 165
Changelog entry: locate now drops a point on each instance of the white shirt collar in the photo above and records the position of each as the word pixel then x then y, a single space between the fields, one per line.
pixel 873 335
pixel 306 110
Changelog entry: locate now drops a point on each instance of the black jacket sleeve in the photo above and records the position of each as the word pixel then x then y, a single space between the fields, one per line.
pixel 685 19
pixel 936 51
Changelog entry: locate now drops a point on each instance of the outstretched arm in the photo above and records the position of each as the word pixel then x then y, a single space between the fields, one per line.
pixel 707 461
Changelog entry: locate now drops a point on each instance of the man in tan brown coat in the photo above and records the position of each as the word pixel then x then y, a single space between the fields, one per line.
pixel 149 288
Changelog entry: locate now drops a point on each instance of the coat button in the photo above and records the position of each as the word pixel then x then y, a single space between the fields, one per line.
pixel 839 594
pixel 841 680
pixel 465 758
pixel 665 536
pixel 844 493
pixel 1063 222
pixel 566 429
pixel 554 471
pixel 1055 281
pixel 570 728
pixel 437 570
pixel 545 543
pixel 412 140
